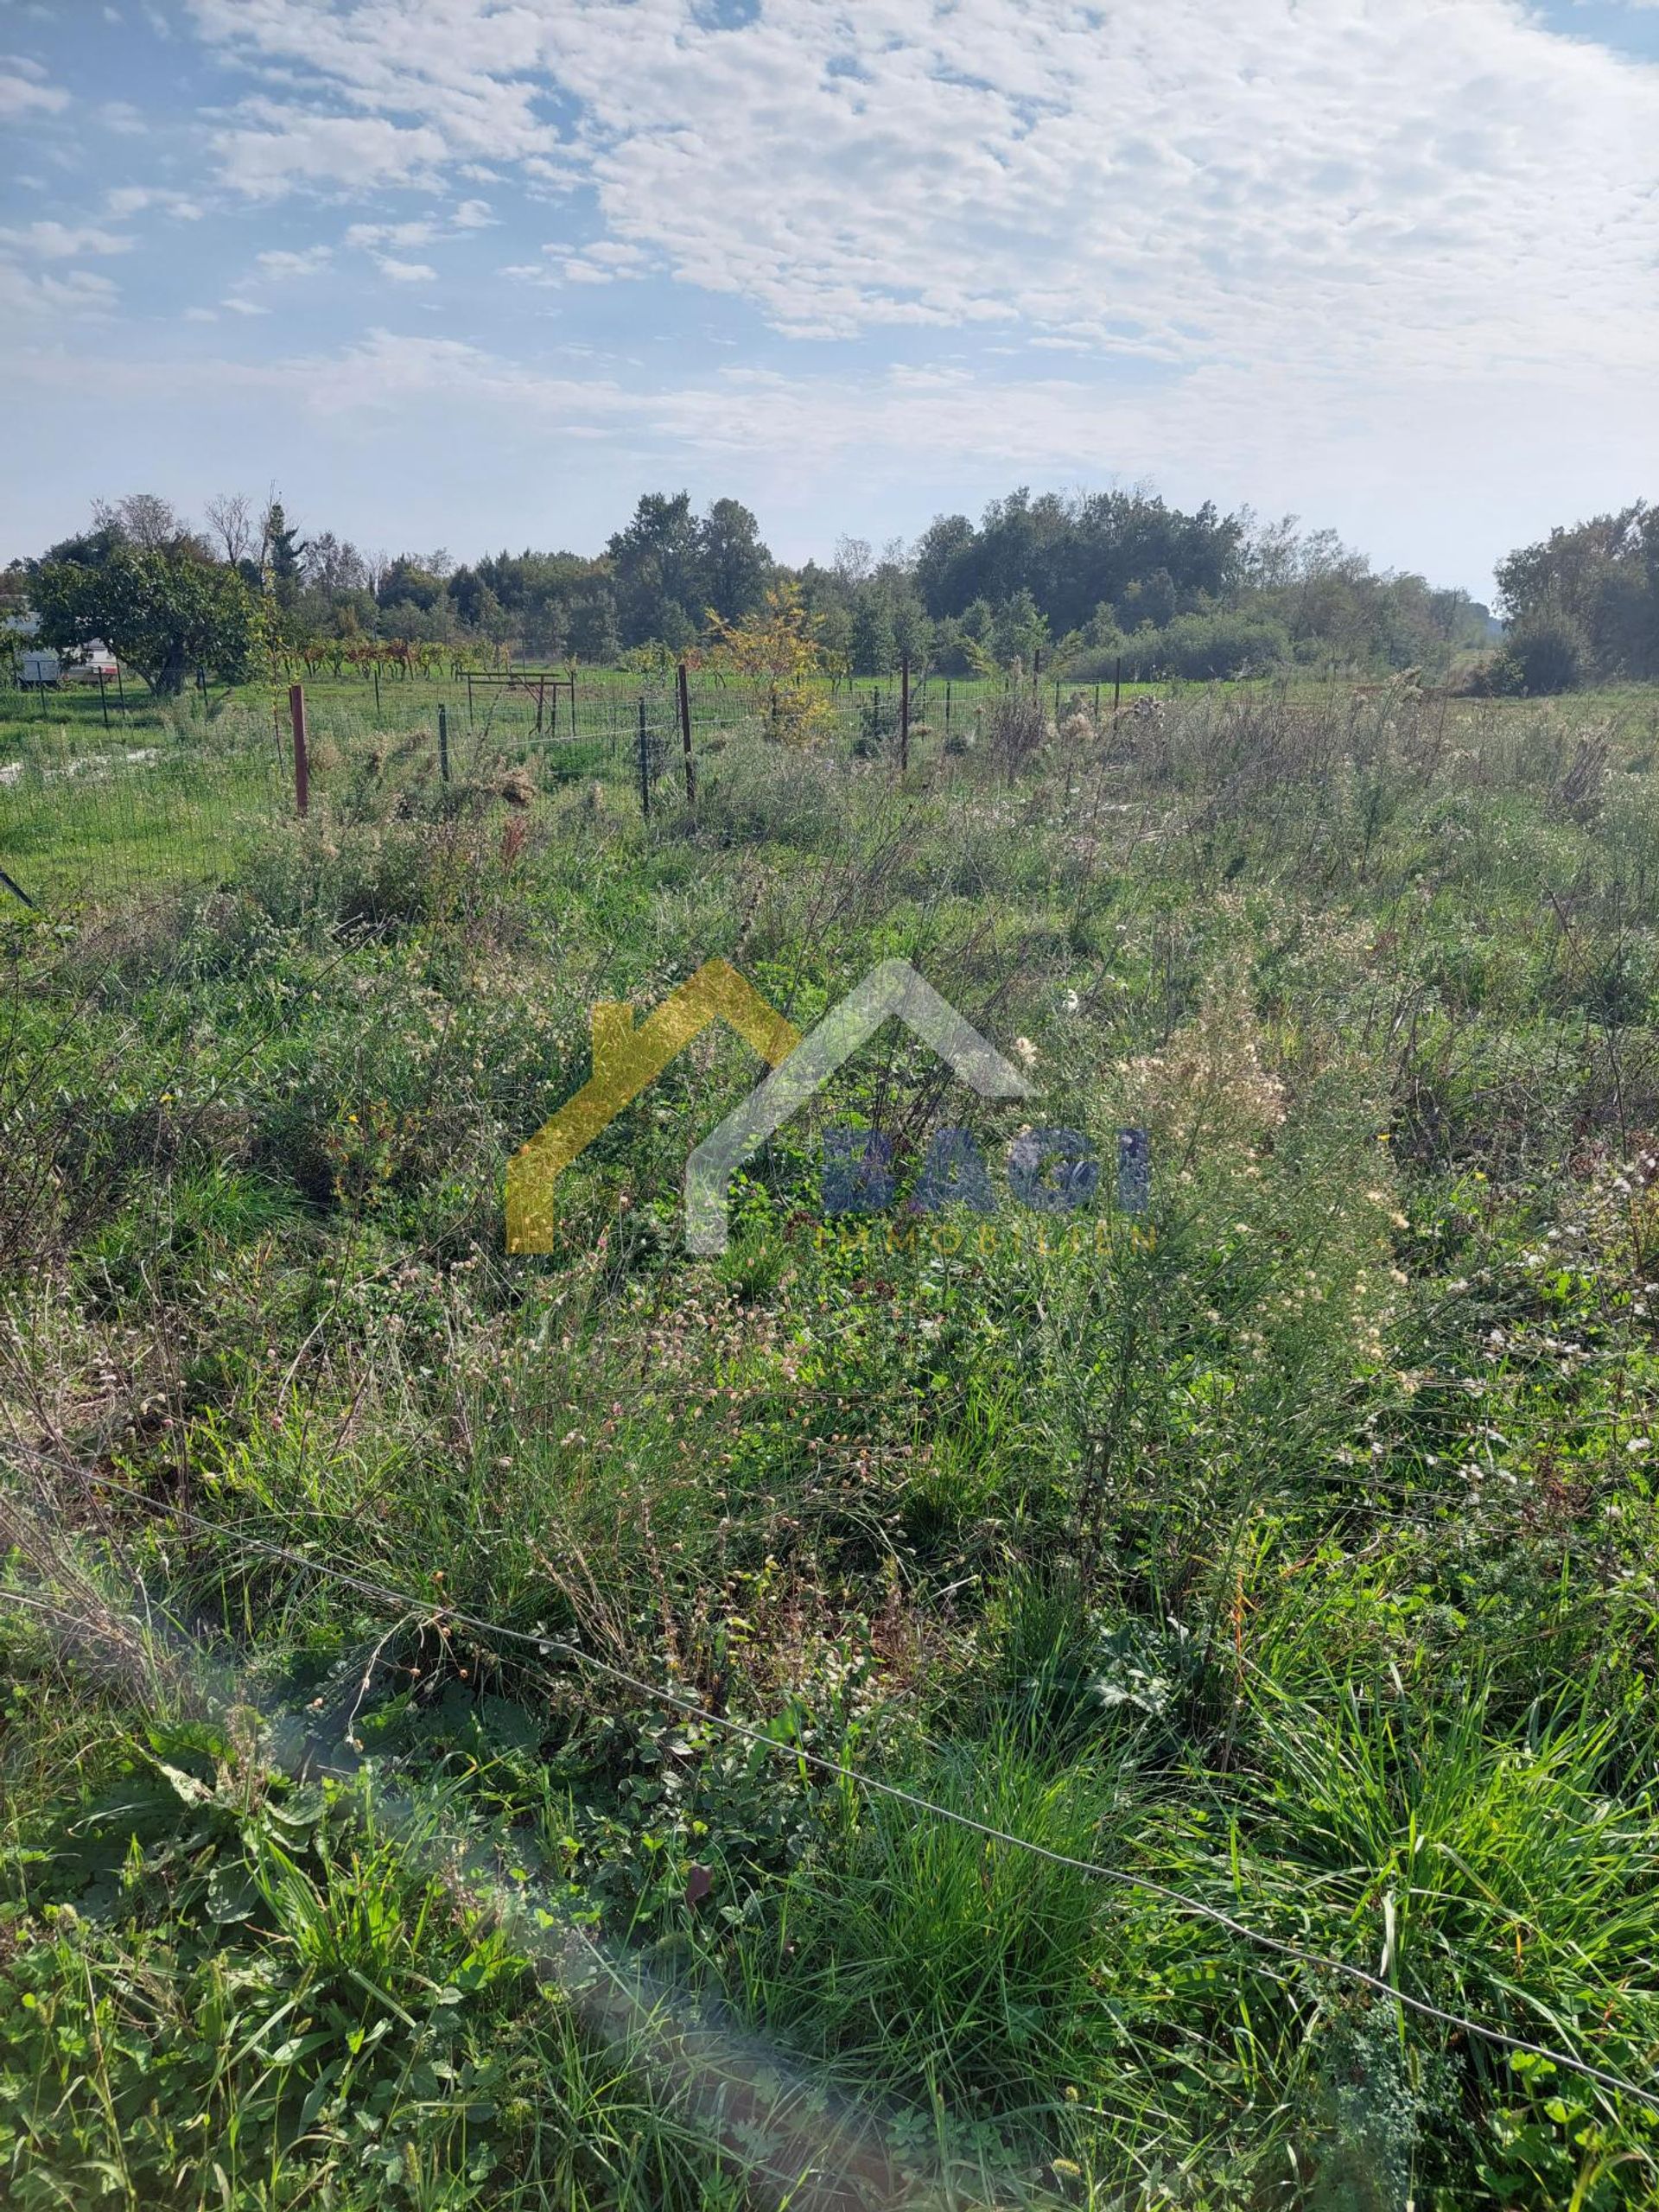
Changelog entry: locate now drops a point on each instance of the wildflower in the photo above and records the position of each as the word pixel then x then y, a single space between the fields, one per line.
pixel 1025 1051
pixel 1640 1444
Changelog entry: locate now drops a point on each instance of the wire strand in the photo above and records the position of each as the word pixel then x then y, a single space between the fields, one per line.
pixel 548 1646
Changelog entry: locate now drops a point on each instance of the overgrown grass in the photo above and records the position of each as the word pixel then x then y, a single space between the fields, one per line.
pixel 1291 1552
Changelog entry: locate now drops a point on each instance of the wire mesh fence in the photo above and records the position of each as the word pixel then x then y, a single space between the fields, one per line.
pixel 103 798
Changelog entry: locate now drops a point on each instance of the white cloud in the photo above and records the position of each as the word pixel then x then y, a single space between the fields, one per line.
pixel 50 241
pixel 30 300
pixel 281 263
pixel 406 272
pixel 1164 179
pixel 237 305
pixel 23 90
pixel 373 234
pixel 472 215
pixel 355 151
pixel 134 198
pixel 121 115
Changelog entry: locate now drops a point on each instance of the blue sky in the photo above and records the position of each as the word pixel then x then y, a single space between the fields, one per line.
pixel 471 273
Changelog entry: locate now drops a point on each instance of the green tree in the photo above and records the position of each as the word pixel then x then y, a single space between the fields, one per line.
pixel 912 632
pixel 1601 575
pixel 736 567
pixel 872 646
pixel 164 614
pixel 282 550
pixel 1546 652
pixel 656 566
pixel 591 633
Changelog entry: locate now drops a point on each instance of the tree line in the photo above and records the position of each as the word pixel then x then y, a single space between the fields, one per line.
pixel 1085 584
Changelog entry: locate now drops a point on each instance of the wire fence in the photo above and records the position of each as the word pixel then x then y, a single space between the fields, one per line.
pixel 107 794
pixel 775 1739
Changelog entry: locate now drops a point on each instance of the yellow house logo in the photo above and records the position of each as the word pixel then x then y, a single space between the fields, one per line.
pixel 628 1058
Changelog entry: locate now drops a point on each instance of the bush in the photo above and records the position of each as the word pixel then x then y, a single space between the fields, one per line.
pixel 1199 647
pixel 1545 653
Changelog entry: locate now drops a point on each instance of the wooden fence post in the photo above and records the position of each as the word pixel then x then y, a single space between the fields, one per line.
pixel 685 737
pixel 904 713
pixel 301 753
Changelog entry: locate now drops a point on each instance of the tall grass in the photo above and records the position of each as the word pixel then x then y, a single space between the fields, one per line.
pixel 1291 1548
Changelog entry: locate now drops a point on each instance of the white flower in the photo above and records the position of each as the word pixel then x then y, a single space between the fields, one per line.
pixel 1640 1444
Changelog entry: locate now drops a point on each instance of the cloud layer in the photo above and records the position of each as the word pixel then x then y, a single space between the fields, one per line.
pixel 1389 182
pixel 1335 252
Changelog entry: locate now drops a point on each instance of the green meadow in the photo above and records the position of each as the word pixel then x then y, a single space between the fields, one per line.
pixel 924 1708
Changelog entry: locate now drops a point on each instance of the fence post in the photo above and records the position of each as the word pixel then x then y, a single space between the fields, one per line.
pixel 947 706
pixel 469 698
pixel 374 670
pixel 102 701
pixel 904 713
pixel 120 691
pixel 301 754
pixel 644 764
pixel 1118 685
pixel 443 743
pixel 685 737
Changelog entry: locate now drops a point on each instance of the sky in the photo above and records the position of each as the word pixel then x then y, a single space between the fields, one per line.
pixel 475 273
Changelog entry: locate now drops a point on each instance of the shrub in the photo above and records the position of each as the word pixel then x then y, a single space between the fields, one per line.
pixel 1547 652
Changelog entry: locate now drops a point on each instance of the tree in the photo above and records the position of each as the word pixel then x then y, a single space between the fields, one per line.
pixel 1546 652
pixel 777 653
pixel 655 565
pixel 1020 631
pixel 143 519
pixel 591 633
pixel 333 564
pixel 281 550
pixel 409 582
pixel 913 633
pixel 872 647
pixel 164 613
pixel 230 517
pixel 735 565
pixel 1602 576
pixel 943 548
